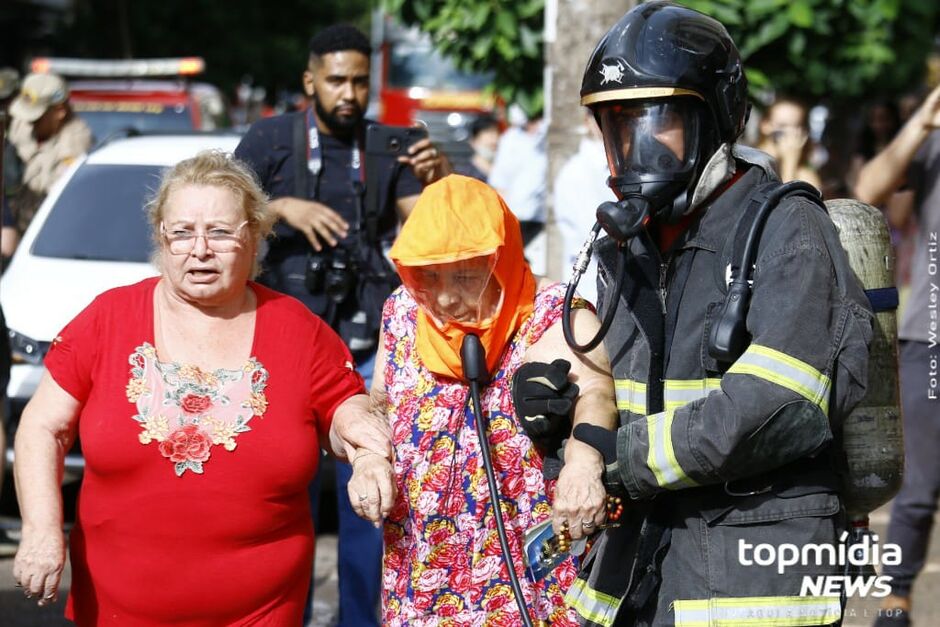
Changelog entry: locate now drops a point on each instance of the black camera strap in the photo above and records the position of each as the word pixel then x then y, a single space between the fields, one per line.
pixel 299 147
pixel 314 159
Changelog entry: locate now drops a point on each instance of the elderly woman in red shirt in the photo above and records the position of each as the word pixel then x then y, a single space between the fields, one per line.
pixel 202 400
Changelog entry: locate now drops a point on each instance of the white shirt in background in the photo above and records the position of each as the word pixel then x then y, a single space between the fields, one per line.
pixel 580 187
pixel 519 171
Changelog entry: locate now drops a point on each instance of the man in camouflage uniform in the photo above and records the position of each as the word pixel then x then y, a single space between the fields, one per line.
pixel 48 137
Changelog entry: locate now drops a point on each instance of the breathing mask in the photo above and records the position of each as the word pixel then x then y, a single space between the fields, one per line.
pixel 654 150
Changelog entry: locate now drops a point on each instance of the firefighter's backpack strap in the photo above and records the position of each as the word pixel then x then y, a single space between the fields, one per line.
pixel 729 337
pixel 881 299
pixel 729 259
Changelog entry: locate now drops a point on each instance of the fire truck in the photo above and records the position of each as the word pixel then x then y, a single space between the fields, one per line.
pixel 121 97
pixel 412 82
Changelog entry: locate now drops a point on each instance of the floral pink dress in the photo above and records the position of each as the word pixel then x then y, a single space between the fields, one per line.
pixel 443 563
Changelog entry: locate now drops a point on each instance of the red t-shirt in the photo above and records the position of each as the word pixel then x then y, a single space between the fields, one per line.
pixel 193 508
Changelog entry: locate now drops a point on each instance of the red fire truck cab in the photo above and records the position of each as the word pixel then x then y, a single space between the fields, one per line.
pixel 126 96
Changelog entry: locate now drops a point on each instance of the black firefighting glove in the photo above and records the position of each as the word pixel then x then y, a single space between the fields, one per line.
pixel 605 441
pixel 543 398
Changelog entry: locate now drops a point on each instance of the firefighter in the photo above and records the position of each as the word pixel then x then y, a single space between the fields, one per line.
pixel 715 455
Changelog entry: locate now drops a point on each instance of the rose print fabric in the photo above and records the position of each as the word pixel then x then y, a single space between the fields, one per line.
pixel 188 410
pixel 156 542
pixel 443 563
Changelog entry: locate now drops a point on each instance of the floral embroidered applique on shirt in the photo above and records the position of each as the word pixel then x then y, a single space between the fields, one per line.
pixel 187 410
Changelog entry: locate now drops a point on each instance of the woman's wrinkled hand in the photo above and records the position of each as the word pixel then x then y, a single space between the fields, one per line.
pixel 579 495
pixel 38 565
pixel 372 486
pixel 359 425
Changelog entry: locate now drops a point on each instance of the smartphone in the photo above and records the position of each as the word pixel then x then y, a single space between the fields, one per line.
pixel 392 140
pixel 381 142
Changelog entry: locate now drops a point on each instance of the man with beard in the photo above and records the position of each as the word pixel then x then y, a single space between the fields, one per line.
pixel 310 163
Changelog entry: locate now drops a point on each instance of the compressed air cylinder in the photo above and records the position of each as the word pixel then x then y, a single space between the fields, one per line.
pixel 872 433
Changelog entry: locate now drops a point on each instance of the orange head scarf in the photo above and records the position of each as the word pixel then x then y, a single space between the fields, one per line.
pixel 455 219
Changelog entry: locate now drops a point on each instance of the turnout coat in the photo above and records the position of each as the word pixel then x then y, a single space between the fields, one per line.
pixel 719 457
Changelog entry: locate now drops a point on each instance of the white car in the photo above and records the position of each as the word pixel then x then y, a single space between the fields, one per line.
pixel 90 234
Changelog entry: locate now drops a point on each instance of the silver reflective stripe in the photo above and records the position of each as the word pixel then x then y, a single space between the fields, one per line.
pixel 661 456
pixel 597 607
pixel 678 392
pixel 758 612
pixel 786 371
pixel 631 396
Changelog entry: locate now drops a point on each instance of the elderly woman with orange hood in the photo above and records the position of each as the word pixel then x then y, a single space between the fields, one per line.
pixel 461 261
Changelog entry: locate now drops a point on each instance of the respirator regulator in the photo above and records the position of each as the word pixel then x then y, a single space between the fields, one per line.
pixel 653 152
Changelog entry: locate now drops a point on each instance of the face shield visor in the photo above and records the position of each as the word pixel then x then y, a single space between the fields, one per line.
pixel 463 291
pixel 649 141
pixel 653 149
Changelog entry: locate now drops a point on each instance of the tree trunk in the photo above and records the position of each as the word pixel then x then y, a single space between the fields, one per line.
pixel 572 29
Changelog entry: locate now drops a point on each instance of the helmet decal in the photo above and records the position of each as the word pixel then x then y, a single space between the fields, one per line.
pixel 612 73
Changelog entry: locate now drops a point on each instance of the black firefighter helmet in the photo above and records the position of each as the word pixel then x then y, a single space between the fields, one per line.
pixel 667 87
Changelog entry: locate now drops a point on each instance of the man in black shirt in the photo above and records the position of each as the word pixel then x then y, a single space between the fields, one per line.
pixel 311 164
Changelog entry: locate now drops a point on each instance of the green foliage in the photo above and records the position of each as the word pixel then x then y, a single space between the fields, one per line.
pixel 504 38
pixel 835 49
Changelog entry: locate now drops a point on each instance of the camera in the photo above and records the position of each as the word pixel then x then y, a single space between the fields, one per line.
pixel 338 279
pixel 332 273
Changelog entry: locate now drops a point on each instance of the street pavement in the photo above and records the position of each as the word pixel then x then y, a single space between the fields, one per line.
pixel 15 611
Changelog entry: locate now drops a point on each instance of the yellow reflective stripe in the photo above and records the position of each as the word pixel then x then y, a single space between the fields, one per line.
pixel 693 384
pixel 678 392
pixel 631 396
pixel 786 371
pixel 590 604
pixel 758 612
pixel 661 457
pixel 691 613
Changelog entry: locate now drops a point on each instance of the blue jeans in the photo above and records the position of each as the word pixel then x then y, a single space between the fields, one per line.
pixel 360 544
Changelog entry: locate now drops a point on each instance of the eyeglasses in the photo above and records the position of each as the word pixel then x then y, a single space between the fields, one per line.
pixel 220 240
